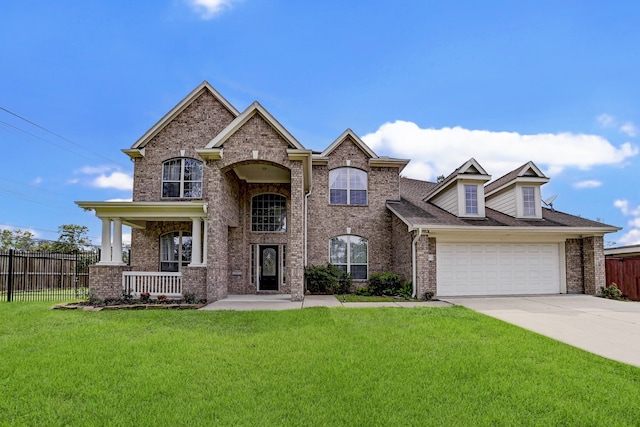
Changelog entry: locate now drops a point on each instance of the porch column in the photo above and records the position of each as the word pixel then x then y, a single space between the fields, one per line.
pixel 196 242
pixel 116 257
pixel 204 243
pixel 105 252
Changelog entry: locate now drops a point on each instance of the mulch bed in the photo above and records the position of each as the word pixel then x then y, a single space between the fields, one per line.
pixel 89 307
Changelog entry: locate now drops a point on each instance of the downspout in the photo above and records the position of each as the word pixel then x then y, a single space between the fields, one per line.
pixel 414 255
pixel 306 222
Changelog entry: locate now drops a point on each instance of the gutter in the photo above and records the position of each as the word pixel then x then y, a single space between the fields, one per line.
pixel 414 264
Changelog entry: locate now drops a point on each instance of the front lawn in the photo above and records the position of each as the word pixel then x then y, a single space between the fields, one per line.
pixel 320 366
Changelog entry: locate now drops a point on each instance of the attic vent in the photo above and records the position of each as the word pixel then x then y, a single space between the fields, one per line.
pixel 530 172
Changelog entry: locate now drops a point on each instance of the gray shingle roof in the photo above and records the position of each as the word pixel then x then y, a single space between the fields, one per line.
pixel 417 212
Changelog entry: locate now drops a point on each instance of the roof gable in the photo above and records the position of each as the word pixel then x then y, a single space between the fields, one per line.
pixel 528 172
pixel 255 108
pixel 179 108
pixel 355 139
pixel 471 168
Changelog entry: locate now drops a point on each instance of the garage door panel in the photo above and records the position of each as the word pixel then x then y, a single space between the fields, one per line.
pixel 497 269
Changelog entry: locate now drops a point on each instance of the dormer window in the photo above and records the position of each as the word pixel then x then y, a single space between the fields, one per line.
pixel 347 186
pixel 529 201
pixel 471 199
pixel 182 178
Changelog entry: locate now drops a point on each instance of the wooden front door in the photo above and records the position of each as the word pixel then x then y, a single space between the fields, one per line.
pixel 269 268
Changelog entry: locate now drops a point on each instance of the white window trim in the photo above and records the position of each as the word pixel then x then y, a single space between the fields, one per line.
pixel 182 180
pixel 536 201
pixel 348 236
pixel 179 260
pixel 286 210
pixel 348 189
pixel 462 200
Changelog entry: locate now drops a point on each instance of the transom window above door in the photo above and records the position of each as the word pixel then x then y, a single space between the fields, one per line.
pixel 175 251
pixel 347 186
pixel 269 213
pixel 182 178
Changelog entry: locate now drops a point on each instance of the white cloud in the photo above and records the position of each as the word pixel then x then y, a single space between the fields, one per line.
pixel 632 236
pixel 439 151
pixel 605 120
pixel 591 183
pixel 120 200
pixel 106 177
pixel 208 9
pixel 117 180
pixel 629 129
pixel 37 181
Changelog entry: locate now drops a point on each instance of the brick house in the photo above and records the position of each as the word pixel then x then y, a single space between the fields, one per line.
pixel 228 202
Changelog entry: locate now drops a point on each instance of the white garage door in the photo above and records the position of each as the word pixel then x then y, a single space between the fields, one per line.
pixel 497 269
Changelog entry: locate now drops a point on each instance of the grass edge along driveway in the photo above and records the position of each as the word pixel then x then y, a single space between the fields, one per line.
pixel 320 366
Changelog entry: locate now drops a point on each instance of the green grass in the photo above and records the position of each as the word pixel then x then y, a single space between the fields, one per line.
pixel 370 298
pixel 378 366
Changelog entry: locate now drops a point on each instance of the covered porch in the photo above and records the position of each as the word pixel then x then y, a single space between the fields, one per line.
pixel 174 266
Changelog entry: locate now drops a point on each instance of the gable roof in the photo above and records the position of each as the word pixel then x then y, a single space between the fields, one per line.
pixel 243 118
pixel 182 105
pixel 359 143
pixel 470 167
pixel 528 172
pixel 416 213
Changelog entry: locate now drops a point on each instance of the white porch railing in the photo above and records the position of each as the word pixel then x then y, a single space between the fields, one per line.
pixel 156 283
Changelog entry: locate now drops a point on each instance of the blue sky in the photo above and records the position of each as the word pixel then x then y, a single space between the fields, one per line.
pixel 556 82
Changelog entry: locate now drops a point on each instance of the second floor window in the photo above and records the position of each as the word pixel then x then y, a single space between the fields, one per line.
pixel 347 186
pixel 471 199
pixel 182 178
pixel 269 213
pixel 529 201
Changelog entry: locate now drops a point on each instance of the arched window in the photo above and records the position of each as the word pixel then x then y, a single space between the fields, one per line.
pixel 175 250
pixel 269 213
pixel 182 178
pixel 347 186
pixel 350 254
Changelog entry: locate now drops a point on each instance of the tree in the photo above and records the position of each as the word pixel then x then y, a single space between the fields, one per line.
pixel 72 238
pixel 21 240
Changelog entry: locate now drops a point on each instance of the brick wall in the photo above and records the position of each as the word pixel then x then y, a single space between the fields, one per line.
pixel 401 256
pixel 373 221
pixel 190 130
pixel 574 266
pixel 594 266
pixel 194 281
pixel 105 281
pixel 145 244
pixel 426 274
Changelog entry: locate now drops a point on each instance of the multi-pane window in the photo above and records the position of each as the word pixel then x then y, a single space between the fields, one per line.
pixel 269 213
pixel 175 250
pixel 529 201
pixel 182 178
pixel 471 199
pixel 349 254
pixel 347 186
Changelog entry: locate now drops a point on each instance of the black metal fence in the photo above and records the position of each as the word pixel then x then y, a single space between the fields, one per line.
pixel 44 276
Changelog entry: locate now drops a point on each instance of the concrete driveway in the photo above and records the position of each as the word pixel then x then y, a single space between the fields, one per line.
pixel 601 326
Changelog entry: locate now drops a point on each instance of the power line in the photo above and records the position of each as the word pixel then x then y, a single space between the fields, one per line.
pixel 57 135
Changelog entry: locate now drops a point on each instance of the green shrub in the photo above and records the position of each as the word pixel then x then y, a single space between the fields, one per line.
pixel 386 283
pixel 327 279
pixel 611 292
pixel 406 290
pixel 362 291
pixel 344 283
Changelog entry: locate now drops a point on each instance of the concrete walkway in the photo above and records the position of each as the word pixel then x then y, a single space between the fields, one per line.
pixel 283 302
pixel 601 326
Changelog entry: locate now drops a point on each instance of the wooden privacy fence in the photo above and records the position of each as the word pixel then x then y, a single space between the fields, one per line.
pixel 625 273
pixel 44 276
